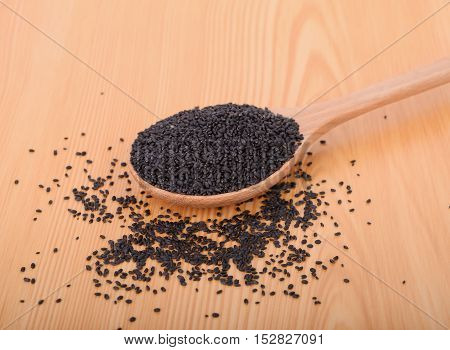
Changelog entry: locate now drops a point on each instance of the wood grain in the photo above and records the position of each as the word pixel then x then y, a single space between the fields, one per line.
pixel 175 55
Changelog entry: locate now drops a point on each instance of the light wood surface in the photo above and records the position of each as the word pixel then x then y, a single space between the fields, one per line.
pixel 169 56
pixel 316 121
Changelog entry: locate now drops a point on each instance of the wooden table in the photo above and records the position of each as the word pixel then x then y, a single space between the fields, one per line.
pixel 111 68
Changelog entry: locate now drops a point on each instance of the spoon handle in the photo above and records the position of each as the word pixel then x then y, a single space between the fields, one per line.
pixel 320 118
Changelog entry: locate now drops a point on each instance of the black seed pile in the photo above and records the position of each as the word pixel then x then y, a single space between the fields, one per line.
pixel 225 250
pixel 216 149
pixel 210 248
pixel 273 236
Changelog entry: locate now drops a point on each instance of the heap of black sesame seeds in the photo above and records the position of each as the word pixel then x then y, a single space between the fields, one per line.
pixel 216 149
pixel 170 243
pixel 210 247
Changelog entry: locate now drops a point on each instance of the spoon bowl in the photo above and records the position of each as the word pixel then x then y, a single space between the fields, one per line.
pixel 314 121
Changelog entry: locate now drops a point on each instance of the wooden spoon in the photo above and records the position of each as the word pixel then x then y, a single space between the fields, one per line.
pixel 315 121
